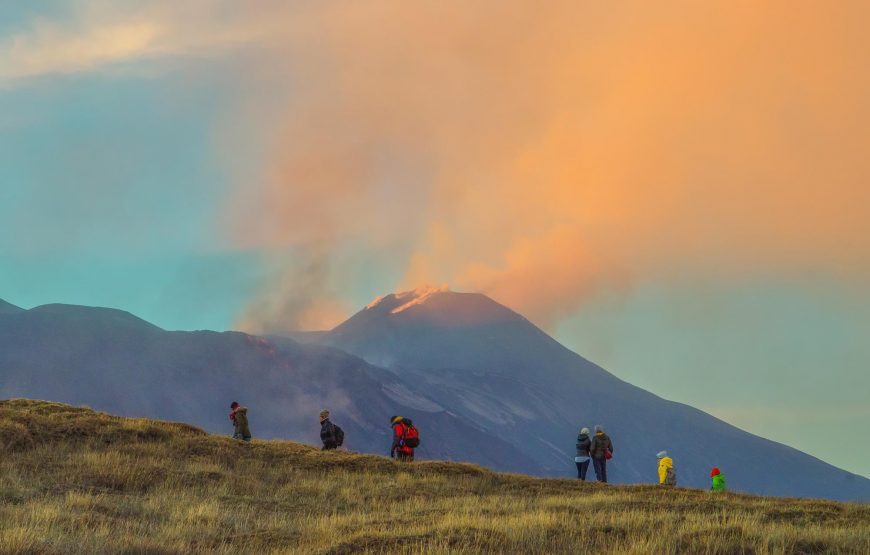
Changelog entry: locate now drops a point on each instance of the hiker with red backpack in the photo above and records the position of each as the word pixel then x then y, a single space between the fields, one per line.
pixel 331 435
pixel 601 450
pixel 406 438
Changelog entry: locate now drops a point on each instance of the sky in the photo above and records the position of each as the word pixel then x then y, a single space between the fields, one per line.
pixel 679 191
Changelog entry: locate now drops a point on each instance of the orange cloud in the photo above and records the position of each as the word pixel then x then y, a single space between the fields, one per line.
pixel 97 35
pixel 543 153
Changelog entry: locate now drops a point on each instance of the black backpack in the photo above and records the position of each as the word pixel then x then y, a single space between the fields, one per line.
pixel 338 433
pixel 411 437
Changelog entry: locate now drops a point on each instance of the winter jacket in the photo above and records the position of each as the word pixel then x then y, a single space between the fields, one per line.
pixel 327 434
pixel 398 436
pixel 239 416
pixel 664 464
pixel 583 444
pixel 599 444
pixel 718 482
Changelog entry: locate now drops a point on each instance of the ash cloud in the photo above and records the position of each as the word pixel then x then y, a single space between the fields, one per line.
pixel 538 153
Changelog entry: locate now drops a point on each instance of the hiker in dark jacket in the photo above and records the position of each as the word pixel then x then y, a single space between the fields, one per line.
pixel 327 432
pixel 582 459
pixel 239 418
pixel 600 449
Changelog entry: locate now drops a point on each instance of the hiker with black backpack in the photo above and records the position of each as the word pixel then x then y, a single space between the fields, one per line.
pixel 667 472
pixel 601 450
pixel 331 435
pixel 239 418
pixel 406 438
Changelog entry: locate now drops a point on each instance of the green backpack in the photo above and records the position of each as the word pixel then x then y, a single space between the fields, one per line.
pixel 242 422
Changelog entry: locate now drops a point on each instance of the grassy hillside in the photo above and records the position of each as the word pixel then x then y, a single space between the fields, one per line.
pixel 74 480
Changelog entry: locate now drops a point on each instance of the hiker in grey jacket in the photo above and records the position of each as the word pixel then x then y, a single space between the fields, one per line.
pixel 582 458
pixel 600 449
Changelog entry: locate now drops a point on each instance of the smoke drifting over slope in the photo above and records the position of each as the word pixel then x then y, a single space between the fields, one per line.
pixel 540 154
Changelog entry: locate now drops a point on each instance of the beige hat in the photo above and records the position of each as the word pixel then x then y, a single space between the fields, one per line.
pixel 324 414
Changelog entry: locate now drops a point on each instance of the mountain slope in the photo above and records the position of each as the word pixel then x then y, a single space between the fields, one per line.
pixel 443 329
pixel 482 382
pixel 113 361
pixel 491 365
pixel 75 481
pixel 8 308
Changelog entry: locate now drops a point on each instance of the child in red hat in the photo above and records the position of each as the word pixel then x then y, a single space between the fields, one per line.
pixel 718 480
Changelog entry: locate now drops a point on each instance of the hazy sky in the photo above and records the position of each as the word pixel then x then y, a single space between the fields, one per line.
pixel 679 191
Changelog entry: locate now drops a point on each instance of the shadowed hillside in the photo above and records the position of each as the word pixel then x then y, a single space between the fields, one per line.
pixel 490 365
pixel 113 361
pixel 483 384
pixel 74 480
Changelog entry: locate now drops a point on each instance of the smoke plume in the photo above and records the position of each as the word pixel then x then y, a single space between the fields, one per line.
pixel 543 153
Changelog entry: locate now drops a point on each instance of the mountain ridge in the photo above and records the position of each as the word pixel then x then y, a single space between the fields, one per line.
pixel 518 382
pixel 81 356
pixel 9 308
pixel 496 377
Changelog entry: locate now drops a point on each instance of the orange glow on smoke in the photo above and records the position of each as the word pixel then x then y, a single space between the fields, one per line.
pixel 541 155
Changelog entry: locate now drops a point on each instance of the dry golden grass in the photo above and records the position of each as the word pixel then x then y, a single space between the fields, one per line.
pixel 78 481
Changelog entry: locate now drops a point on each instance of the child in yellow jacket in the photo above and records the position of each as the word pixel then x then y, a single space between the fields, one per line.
pixel 667 473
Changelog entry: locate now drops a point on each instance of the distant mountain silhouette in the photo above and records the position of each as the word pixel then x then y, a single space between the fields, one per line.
pixel 113 361
pixel 483 383
pixel 7 308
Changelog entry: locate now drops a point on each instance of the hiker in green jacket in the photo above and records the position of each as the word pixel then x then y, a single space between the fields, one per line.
pixel 718 480
pixel 239 418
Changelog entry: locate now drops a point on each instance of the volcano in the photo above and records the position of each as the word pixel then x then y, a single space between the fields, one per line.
pixel 482 383
pixel 492 366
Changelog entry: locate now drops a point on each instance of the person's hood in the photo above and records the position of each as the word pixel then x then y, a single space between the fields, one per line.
pixel 714 472
pixel 666 462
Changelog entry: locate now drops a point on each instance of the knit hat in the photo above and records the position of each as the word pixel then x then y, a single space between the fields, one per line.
pixel 661 454
pixel 395 419
pixel 324 414
pixel 714 472
pixel 584 431
pixel 234 405
pixel 599 428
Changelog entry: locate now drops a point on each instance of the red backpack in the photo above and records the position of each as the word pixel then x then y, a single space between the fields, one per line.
pixel 410 437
